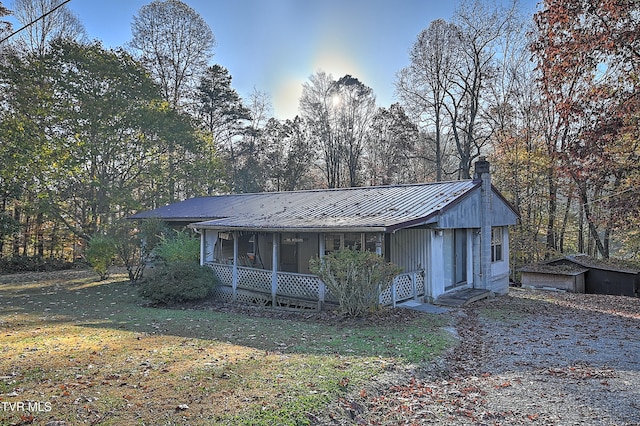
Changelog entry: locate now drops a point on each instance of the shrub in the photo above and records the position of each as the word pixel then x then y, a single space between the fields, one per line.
pixel 135 243
pixel 177 282
pixel 355 278
pixel 100 255
pixel 180 247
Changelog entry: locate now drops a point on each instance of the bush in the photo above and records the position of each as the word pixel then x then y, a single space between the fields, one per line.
pixel 177 282
pixel 180 247
pixel 135 244
pixel 355 278
pixel 100 255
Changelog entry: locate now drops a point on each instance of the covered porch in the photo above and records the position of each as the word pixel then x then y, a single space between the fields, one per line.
pixel 272 268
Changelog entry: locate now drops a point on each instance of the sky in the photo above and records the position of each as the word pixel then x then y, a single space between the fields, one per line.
pixel 274 46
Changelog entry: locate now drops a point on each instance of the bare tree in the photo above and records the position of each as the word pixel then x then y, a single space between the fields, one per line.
pixel 391 147
pixel 61 23
pixel 482 28
pixel 316 108
pixel 5 26
pixel 423 85
pixel 175 44
pixel 355 106
pixel 339 114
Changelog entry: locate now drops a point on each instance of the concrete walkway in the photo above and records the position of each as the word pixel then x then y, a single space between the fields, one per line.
pixel 422 307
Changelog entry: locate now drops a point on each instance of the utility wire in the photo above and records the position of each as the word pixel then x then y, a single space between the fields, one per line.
pixel 615 194
pixel 34 21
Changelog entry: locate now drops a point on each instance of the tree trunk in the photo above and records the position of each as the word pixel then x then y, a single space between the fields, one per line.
pixel 553 206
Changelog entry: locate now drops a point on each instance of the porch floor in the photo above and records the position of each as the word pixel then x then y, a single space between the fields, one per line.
pixel 462 297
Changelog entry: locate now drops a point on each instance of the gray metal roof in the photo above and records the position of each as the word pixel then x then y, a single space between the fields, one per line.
pixel 377 209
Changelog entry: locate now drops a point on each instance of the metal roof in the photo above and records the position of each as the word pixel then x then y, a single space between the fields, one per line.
pixel 377 209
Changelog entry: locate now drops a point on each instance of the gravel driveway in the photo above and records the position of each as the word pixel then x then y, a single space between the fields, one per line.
pixel 533 357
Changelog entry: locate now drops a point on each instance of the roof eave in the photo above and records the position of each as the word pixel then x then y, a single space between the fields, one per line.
pixel 281 229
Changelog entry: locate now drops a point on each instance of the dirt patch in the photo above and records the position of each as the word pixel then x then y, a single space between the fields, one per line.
pixel 527 358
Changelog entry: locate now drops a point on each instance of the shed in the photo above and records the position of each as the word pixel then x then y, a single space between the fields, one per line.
pixel 561 277
pixel 605 276
pixel 445 236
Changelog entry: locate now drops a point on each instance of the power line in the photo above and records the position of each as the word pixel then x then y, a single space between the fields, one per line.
pixel 34 21
pixel 615 194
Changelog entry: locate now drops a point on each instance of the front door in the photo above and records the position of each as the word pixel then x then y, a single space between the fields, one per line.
pixel 455 255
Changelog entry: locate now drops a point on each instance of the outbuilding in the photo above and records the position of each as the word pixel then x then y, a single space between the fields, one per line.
pixel 445 236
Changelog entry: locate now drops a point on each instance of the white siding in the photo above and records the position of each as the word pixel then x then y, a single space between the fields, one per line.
pixel 499 282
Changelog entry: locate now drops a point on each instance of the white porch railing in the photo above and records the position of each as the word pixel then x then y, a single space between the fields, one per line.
pixel 257 286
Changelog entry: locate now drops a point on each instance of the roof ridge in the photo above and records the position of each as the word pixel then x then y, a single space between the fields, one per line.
pixel 351 188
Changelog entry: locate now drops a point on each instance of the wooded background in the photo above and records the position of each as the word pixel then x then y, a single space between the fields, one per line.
pixel 90 135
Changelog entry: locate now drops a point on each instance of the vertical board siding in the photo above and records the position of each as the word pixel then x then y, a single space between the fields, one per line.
pixel 410 249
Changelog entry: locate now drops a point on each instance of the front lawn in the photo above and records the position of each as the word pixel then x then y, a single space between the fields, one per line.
pixel 78 350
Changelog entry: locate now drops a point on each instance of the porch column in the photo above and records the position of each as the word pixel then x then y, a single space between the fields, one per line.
pixel 379 242
pixel 203 243
pixel 274 270
pixel 234 284
pixel 208 241
pixel 321 246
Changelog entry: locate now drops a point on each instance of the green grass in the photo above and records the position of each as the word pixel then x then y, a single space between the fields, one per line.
pixel 98 355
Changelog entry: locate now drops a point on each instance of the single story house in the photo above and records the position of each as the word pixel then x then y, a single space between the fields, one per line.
pixel 445 236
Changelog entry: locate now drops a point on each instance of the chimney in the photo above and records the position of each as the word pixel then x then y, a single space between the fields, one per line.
pixel 482 167
pixel 482 174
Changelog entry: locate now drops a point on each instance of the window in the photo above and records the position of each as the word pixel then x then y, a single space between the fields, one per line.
pixel 496 244
pixel 354 241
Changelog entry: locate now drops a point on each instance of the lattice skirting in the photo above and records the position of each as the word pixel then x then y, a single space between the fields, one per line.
pixel 300 291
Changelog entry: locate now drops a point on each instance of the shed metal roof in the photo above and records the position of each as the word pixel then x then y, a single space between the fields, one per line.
pixel 377 209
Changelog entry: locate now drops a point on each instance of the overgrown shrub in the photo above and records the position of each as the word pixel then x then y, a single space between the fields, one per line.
pixel 174 282
pixel 100 254
pixel 180 246
pixel 135 243
pixel 355 278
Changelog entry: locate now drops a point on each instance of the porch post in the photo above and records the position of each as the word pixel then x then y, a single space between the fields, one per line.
pixel 321 247
pixel 234 284
pixel 414 283
pixel 379 242
pixel 274 270
pixel 394 294
pixel 203 243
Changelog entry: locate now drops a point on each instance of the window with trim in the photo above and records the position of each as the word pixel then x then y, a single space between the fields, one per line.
pixel 496 245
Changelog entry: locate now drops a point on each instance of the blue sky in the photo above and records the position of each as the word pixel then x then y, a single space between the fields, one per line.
pixel 275 45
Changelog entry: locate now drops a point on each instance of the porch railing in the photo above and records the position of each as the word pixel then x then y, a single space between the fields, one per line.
pixel 301 291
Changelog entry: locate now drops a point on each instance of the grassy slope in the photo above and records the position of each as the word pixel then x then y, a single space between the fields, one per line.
pixel 96 355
